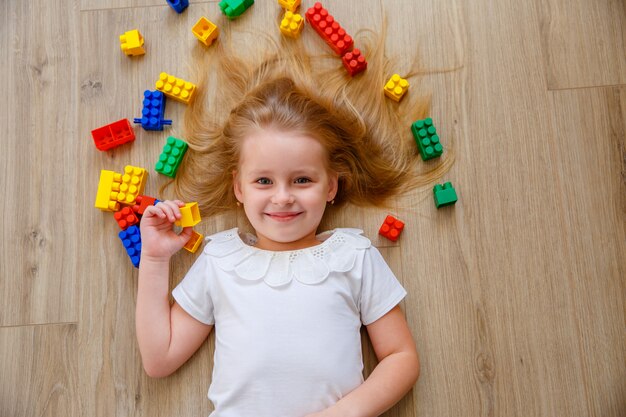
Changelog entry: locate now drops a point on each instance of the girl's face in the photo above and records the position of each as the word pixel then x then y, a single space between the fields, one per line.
pixel 284 185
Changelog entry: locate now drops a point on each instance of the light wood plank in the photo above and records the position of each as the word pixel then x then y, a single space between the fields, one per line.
pixel 38 158
pixel 584 43
pixel 39 371
pixel 126 4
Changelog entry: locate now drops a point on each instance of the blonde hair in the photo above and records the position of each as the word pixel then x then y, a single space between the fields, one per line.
pixel 366 135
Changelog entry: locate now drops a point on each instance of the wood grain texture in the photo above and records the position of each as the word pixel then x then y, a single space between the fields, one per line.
pixel 584 42
pixel 516 295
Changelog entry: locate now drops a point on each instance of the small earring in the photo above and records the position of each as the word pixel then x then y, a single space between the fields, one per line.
pixel 332 202
pixel 238 204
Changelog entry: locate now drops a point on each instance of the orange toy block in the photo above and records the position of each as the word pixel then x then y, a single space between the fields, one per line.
pixel 292 24
pixel 391 228
pixel 190 215
pixel 131 43
pixel 125 218
pixel 205 31
pixel 396 87
pixel 194 242
pixel 175 88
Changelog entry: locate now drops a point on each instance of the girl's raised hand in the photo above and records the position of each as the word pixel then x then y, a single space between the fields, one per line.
pixel 158 239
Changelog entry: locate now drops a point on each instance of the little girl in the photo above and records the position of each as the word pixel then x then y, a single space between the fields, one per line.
pixel 287 302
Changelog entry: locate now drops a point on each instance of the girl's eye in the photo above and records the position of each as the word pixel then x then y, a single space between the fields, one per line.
pixel 264 181
pixel 302 180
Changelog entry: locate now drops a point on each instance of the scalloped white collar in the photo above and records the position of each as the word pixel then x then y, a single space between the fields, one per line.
pixel 234 252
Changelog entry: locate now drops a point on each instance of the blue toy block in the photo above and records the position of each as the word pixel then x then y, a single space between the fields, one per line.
pixel 152 112
pixel 131 239
pixel 235 8
pixel 178 5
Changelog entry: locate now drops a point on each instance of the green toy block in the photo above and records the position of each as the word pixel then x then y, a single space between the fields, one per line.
pixel 444 194
pixel 170 158
pixel 427 139
pixel 235 8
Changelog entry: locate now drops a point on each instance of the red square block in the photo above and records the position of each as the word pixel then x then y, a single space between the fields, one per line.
pixel 354 62
pixel 391 228
pixel 143 202
pixel 125 218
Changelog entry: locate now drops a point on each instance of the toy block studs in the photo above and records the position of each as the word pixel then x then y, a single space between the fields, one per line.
pixel 291 25
pixel 234 8
pixel 152 112
pixel 332 33
pixel 190 215
pixel 205 31
pixel 175 88
pixel 170 158
pixel 131 239
pixel 391 228
pixel 291 5
pixel 131 43
pixel 125 218
pixel 194 242
pixel 178 5
pixel 444 195
pixel 427 139
pixel 354 62
pixel 113 135
pixel 131 185
pixel 396 87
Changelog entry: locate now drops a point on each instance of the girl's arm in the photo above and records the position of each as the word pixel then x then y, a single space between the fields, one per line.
pixel 167 335
pixel 395 374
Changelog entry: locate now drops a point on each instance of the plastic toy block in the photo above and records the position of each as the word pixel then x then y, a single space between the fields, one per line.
pixel 112 135
pixel 190 215
pixel 125 218
pixel 152 112
pixel 194 242
pixel 170 158
pixel 178 5
pixel 332 32
pixel 292 24
pixel 396 87
pixel 131 43
pixel 391 228
pixel 131 239
pixel 205 31
pixel 354 62
pixel 131 184
pixel 235 8
pixel 175 88
pixel 108 181
pixel 142 202
pixel 444 194
pixel 291 5
pixel 427 139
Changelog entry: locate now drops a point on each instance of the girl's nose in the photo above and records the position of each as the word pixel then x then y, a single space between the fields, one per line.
pixel 282 196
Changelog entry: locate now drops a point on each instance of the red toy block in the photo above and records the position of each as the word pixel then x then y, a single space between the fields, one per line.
pixel 332 32
pixel 125 218
pixel 112 135
pixel 391 228
pixel 354 62
pixel 144 202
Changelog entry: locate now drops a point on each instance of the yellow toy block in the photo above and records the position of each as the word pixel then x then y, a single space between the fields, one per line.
pixel 130 185
pixel 132 43
pixel 190 215
pixel 291 5
pixel 103 198
pixel 175 88
pixel 396 87
pixel 292 24
pixel 205 31
pixel 194 242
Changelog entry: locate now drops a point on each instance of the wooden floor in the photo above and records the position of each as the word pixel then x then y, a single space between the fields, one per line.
pixel 516 294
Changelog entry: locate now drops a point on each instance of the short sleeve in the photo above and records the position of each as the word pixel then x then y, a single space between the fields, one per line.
pixel 380 289
pixel 193 293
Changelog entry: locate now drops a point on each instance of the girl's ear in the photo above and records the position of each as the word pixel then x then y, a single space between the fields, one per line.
pixel 237 186
pixel 333 184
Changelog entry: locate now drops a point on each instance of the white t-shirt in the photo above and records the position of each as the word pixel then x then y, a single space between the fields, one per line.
pixel 287 324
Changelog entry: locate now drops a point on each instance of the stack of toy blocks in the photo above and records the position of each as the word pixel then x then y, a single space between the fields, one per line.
pixel 131 43
pixel 292 24
pixel 153 110
pixel 391 228
pixel 171 157
pixel 426 138
pixel 205 31
pixel 444 195
pixel 112 135
pixel 234 8
pixel 396 87
pixel 115 188
pixel 175 88
pixel 178 5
